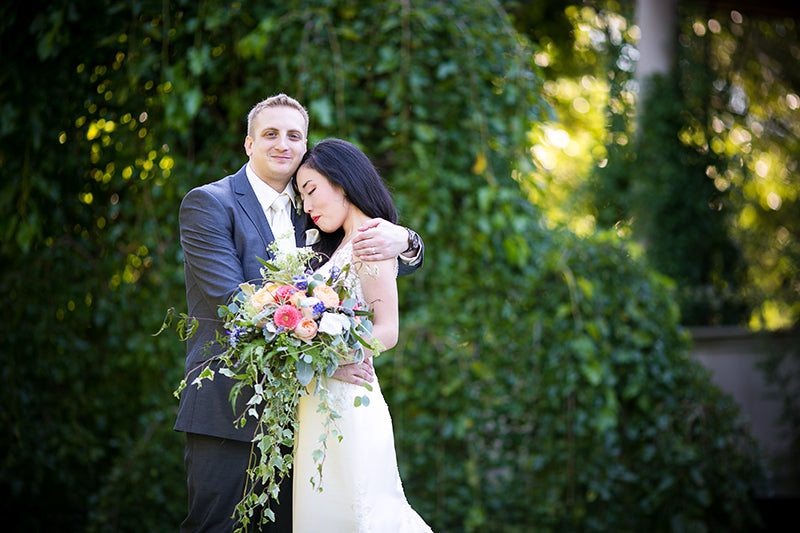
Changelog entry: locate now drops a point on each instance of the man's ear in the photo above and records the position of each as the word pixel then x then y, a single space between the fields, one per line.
pixel 248 145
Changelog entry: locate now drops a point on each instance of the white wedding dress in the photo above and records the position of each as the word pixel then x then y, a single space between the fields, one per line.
pixel 361 487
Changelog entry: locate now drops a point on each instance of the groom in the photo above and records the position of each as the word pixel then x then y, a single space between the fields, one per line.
pixel 225 226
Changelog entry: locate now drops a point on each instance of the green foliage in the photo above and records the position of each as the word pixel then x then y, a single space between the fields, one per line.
pixel 781 368
pixel 702 169
pixel 741 95
pixel 541 381
pixel 570 403
pixel 676 211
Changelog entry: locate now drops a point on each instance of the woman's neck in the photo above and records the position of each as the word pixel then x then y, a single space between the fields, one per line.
pixel 352 223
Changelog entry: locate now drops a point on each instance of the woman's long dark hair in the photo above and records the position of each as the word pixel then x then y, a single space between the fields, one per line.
pixel 345 165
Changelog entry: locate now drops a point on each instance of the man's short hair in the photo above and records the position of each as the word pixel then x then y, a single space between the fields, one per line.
pixel 278 100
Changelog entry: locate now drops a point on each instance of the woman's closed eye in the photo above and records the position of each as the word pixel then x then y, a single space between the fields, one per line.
pixel 306 194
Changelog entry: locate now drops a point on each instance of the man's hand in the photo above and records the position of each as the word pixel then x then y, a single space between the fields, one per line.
pixel 357 374
pixel 378 239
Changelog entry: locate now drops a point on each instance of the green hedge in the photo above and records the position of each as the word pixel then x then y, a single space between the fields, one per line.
pixel 558 395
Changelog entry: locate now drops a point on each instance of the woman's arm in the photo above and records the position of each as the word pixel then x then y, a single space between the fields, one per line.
pixel 379 283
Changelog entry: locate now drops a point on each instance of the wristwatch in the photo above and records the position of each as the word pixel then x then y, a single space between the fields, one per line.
pixel 414 242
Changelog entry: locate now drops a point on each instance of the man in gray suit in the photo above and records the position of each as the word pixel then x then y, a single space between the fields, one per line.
pixel 225 226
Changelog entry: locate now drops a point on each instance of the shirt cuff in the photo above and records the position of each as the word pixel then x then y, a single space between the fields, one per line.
pixel 411 260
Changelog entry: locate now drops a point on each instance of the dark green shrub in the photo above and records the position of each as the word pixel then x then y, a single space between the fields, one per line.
pixel 556 392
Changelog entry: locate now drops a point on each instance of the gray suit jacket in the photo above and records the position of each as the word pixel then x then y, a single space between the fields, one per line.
pixel 223 231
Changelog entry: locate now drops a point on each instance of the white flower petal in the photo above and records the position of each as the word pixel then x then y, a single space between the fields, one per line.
pixel 333 324
pixel 312 236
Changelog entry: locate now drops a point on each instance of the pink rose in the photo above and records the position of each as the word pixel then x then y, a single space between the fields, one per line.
pixel 287 316
pixel 306 329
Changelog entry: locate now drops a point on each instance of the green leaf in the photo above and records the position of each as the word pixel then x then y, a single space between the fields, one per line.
pixel 305 372
pixel 361 400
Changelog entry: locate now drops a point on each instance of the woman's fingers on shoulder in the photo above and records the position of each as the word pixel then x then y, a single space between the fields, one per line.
pixel 369 224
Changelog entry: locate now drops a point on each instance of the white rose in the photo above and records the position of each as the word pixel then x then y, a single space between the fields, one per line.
pixel 333 324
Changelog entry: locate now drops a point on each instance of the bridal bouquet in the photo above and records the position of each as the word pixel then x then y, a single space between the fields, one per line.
pixel 282 335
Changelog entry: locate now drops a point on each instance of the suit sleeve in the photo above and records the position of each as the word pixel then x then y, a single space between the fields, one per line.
pixel 403 268
pixel 213 268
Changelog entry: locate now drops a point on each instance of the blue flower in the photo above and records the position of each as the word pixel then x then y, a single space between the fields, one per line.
pixel 301 282
pixel 234 335
pixel 335 271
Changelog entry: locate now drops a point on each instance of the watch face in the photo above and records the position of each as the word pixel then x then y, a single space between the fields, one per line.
pixel 413 241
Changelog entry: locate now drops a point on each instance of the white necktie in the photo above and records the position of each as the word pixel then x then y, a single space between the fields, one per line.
pixel 281 223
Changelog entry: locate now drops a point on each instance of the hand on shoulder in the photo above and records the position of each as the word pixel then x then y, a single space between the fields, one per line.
pixel 379 240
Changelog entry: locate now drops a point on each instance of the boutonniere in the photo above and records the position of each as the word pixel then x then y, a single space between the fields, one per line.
pixel 298 205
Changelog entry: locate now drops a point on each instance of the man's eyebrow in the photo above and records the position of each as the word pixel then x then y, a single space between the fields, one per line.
pixel 276 128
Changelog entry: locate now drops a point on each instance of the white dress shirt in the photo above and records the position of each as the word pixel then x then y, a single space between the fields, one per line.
pixel 280 224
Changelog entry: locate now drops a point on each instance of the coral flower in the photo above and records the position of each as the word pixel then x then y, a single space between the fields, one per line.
pixel 284 292
pixel 287 316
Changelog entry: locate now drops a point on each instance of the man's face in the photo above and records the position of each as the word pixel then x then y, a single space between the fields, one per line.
pixel 277 144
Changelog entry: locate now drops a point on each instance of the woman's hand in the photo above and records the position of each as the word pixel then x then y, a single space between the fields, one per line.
pixel 356 373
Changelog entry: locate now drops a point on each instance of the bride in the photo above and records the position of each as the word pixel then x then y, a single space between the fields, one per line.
pixel 360 487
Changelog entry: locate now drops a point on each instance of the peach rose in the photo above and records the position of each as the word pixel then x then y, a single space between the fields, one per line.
pixel 296 297
pixel 327 295
pixel 306 329
pixel 263 296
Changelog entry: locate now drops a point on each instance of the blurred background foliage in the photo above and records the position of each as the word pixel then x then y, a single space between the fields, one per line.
pixel 717 207
pixel 543 379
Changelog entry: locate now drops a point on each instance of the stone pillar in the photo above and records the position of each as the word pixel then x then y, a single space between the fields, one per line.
pixel 657 21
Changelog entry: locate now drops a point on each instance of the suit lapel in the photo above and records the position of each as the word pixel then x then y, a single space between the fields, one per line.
pixel 252 208
pixel 300 222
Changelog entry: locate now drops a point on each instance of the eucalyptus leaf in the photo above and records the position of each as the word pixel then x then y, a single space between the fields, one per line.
pixel 305 372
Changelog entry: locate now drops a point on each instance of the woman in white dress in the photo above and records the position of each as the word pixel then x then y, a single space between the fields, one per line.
pixel 361 489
